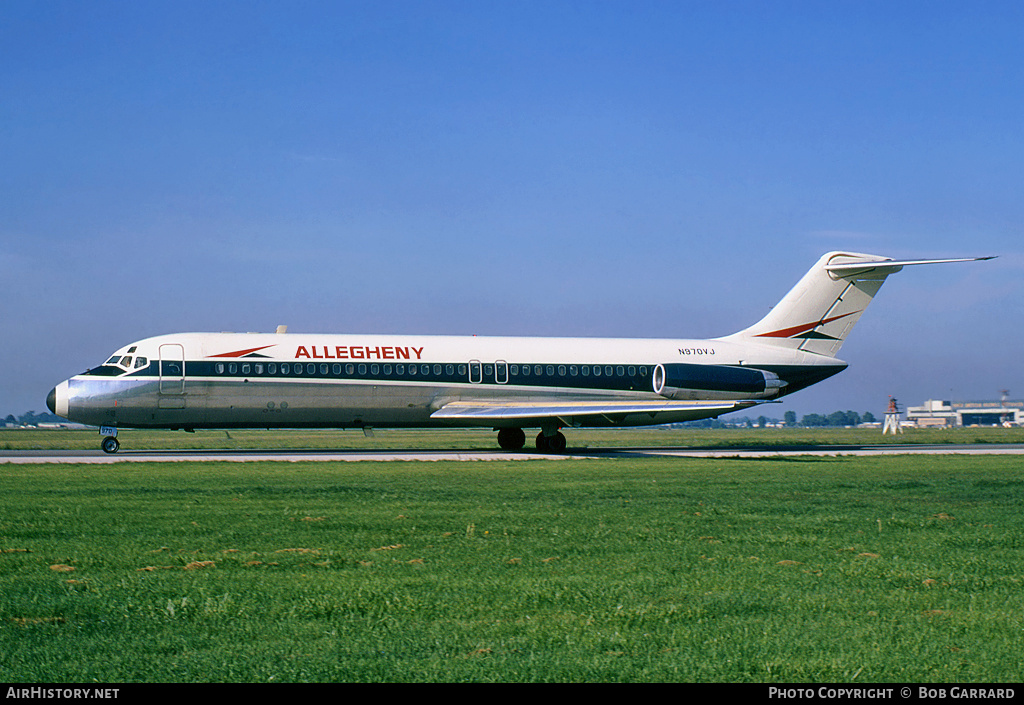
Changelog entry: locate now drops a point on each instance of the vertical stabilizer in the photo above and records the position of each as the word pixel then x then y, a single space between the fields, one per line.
pixel 818 313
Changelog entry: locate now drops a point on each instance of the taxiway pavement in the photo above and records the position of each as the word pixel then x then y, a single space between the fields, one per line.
pixel 349 455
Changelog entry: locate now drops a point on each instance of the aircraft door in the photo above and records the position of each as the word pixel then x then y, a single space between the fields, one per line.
pixel 172 369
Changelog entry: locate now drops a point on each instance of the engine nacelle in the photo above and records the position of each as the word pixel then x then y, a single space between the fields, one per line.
pixel 686 381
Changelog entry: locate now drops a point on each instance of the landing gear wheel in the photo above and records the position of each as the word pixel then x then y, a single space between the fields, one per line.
pixel 110 445
pixel 551 444
pixel 511 438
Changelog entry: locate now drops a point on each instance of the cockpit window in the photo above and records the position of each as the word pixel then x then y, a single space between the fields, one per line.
pixel 118 365
pixel 105 371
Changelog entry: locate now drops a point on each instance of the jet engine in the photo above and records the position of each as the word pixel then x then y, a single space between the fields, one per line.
pixel 687 381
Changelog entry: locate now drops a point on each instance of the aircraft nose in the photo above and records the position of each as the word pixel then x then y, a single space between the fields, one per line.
pixel 57 400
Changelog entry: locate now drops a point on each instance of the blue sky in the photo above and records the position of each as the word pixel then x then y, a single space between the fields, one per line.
pixel 648 169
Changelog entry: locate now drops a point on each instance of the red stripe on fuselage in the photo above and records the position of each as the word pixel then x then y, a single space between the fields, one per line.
pixel 241 353
pixel 796 330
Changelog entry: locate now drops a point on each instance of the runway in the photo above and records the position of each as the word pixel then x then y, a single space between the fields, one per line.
pixel 363 455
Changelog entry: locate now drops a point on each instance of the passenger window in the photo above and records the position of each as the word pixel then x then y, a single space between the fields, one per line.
pixel 350 369
pixel 573 371
pixel 374 370
pixel 336 369
pixel 437 370
pixel 311 368
pixel 285 368
pixel 620 371
pixel 608 371
pixel 561 370
pixel 245 368
pixel 272 368
pixel 597 370
pixel 387 370
pixel 362 369
pixel 220 368
pixel 323 369
pixel 258 367
pixel 632 371
pixel 232 368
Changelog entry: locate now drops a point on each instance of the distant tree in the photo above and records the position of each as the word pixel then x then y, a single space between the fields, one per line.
pixel 10 420
pixel 868 417
pixel 705 423
pixel 813 420
pixel 790 418
pixel 843 418
pixel 31 418
pixel 762 421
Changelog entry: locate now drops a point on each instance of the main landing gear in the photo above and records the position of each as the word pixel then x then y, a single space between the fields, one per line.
pixel 511 438
pixel 554 443
pixel 515 439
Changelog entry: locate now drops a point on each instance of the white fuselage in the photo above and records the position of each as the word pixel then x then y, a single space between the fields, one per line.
pixel 226 380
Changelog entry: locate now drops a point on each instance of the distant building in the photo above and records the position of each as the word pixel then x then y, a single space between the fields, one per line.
pixel 943 414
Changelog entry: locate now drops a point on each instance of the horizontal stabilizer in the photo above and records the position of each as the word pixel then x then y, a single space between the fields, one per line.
pixel 817 314
pixel 891 266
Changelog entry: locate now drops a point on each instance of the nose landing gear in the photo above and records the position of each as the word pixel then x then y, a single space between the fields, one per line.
pixel 110 443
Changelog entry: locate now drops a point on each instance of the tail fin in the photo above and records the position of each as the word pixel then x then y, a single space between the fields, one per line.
pixel 818 313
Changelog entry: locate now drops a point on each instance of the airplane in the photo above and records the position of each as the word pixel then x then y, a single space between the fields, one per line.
pixel 195 381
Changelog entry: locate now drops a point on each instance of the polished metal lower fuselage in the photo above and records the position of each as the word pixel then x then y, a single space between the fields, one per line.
pixel 259 403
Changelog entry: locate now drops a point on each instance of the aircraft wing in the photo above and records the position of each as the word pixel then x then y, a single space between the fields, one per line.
pixel 577 413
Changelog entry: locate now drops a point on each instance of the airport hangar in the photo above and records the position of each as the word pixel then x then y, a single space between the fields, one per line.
pixel 944 414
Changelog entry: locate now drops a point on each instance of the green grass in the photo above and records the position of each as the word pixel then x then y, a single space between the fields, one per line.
pixel 31 439
pixel 904 568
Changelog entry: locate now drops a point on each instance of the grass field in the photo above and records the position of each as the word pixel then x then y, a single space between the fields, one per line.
pixel 904 568
pixel 485 439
